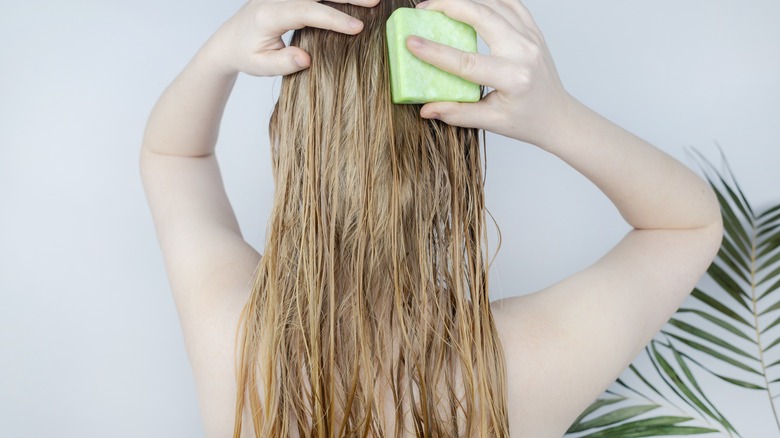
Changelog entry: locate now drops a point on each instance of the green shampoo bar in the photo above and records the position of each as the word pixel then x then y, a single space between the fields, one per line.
pixel 415 81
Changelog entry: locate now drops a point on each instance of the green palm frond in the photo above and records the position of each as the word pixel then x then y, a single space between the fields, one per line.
pixel 730 326
pixel 673 375
pixel 727 328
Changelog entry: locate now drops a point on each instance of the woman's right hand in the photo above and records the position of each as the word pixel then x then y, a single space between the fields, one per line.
pixel 251 40
pixel 528 100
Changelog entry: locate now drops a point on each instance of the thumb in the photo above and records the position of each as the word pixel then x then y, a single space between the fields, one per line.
pixel 466 115
pixel 280 62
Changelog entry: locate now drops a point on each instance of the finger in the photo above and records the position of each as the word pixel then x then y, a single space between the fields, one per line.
pixel 280 62
pixel 298 14
pixel 489 24
pixel 505 11
pixel 522 12
pixel 466 115
pixel 531 28
pixel 477 68
pixel 364 3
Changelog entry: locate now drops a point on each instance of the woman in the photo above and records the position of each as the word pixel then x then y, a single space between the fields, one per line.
pixel 368 314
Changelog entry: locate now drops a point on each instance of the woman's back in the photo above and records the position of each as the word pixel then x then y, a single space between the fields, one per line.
pixel 214 368
pixel 375 260
pixel 563 345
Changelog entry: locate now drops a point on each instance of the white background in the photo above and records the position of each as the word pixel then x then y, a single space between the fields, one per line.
pixel 89 339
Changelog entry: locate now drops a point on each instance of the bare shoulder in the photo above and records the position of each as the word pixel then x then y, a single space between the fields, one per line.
pixel 566 344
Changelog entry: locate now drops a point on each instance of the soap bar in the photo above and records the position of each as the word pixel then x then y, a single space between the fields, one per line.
pixel 415 81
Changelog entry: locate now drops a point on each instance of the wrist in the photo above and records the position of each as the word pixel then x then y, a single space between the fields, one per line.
pixel 213 58
pixel 570 122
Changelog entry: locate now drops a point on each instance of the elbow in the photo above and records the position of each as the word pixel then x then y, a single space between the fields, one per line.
pixel 712 211
pixel 714 235
pixel 712 230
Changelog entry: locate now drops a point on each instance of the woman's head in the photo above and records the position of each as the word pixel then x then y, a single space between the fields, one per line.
pixel 342 105
pixel 375 260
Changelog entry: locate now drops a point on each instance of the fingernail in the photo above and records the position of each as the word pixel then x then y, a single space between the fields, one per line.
pixel 436 116
pixel 355 23
pixel 299 61
pixel 415 42
pixel 423 5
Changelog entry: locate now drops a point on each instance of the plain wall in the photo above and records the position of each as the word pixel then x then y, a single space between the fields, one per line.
pixel 90 344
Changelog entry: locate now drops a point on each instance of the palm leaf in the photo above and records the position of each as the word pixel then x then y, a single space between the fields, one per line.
pixel 615 422
pixel 596 405
pixel 726 325
pixel 727 379
pixel 658 426
pixel 690 392
pixel 718 321
pixel 612 417
pixel 692 379
pixel 720 307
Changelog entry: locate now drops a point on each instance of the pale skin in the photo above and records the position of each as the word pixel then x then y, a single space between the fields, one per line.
pixel 564 344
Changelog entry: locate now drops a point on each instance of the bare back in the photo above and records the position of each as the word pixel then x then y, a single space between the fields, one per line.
pixel 563 345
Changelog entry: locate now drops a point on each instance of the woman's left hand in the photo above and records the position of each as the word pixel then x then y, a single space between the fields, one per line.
pixel 251 40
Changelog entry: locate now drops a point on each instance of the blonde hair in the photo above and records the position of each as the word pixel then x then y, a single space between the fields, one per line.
pixel 375 269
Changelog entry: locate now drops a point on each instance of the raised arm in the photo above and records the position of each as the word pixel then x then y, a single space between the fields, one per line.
pixel 651 189
pixel 209 265
pixel 565 344
pixel 195 223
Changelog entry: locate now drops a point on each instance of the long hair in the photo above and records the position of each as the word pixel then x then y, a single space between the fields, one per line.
pixel 374 274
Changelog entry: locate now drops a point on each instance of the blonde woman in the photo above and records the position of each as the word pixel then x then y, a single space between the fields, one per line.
pixel 369 313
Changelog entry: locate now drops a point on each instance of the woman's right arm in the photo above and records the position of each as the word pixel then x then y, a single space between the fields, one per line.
pixel 209 264
pixel 195 223
pixel 565 344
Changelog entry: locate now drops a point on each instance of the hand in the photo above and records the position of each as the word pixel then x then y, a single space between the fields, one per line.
pixel 528 99
pixel 251 41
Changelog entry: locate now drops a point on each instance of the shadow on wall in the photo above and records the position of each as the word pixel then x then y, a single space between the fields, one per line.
pixel 723 338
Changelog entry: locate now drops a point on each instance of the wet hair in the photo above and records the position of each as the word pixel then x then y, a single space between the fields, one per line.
pixel 374 273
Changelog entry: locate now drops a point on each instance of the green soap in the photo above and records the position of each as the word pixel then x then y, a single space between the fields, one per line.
pixel 415 81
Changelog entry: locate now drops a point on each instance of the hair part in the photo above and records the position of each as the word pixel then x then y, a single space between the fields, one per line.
pixel 375 270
